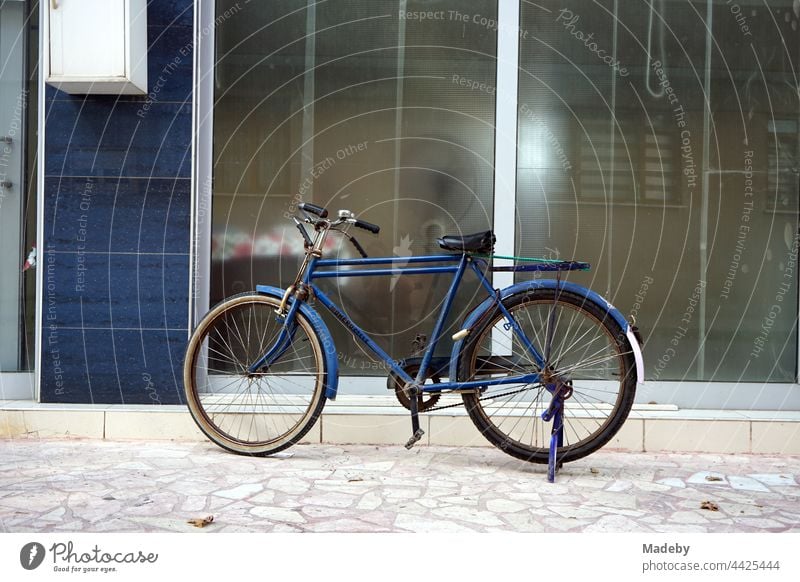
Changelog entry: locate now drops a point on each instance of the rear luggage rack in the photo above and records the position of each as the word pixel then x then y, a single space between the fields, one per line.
pixel 534 264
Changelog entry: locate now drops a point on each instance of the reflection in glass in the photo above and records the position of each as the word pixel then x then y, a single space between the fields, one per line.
pixel 353 105
pixel 678 180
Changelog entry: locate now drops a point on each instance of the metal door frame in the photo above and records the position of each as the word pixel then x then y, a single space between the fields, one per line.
pixel 20 385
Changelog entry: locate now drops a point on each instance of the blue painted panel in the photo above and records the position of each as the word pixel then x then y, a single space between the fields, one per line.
pixel 101 290
pixel 108 138
pixel 165 354
pixel 76 289
pixel 150 291
pixel 122 142
pixel 51 93
pixel 170 63
pixel 170 12
pixel 64 376
pixel 120 215
pixel 120 367
pixel 150 366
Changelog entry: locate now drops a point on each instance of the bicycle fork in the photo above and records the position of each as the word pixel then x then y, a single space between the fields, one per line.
pixel 282 343
pixel 296 292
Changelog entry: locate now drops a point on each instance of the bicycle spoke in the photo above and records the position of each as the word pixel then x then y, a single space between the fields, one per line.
pixel 562 350
pixel 230 349
pixel 575 343
pixel 591 363
pixel 252 411
pixel 583 348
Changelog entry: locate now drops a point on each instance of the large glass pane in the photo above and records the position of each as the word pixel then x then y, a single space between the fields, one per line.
pixel 659 141
pixel 385 108
pixel 17 185
pixel 753 193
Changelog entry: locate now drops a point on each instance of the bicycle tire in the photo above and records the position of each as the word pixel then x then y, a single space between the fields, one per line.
pixel 606 382
pixel 282 396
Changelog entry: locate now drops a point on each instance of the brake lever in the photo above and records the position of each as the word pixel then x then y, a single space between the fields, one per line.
pixel 304 232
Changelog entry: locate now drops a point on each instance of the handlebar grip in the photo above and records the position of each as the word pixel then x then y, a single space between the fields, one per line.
pixel 373 228
pixel 314 209
pixel 304 232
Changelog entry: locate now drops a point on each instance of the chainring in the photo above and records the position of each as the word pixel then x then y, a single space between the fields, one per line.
pixel 426 400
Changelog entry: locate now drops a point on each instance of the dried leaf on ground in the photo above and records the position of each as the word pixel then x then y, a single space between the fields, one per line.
pixel 713 478
pixel 709 505
pixel 201 522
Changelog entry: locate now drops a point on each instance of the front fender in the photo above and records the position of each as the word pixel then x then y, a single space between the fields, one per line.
pixel 328 347
pixel 590 295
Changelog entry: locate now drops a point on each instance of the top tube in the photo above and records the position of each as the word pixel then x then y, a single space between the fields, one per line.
pixel 388 260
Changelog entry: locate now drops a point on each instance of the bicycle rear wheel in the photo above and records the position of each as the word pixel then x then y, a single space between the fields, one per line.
pixel 253 413
pixel 589 351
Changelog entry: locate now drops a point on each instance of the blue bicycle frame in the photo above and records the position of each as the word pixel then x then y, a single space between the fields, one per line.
pixel 314 267
pixel 455 264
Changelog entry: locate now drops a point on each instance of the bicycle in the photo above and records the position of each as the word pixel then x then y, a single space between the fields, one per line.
pixel 260 365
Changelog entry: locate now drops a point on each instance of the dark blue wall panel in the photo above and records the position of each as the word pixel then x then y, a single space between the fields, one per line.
pixel 117 201
pixel 118 138
pixel 130 215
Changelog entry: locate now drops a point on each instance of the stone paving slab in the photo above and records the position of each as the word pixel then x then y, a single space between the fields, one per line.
pixel 58 485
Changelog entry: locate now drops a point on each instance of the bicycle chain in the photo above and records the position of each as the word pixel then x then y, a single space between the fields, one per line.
pixel 483 398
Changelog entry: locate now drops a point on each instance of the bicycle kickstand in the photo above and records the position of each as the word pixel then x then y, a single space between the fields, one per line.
pixel 554 413
pixel 556 440
pixel 417 432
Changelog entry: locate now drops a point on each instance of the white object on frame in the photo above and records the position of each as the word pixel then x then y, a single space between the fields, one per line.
pixel 96 46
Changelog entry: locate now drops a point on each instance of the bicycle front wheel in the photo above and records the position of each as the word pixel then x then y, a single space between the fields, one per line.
pixel 588 351
pixel 261 412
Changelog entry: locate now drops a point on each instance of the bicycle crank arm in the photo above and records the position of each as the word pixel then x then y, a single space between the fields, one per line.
pixel 413 392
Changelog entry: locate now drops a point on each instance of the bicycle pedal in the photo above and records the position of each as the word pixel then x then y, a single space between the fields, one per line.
pixel 415 438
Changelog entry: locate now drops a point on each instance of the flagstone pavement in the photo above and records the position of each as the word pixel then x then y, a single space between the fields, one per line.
pixel 59 485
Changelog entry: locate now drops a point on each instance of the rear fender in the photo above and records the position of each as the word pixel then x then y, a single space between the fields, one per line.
pixel 475 315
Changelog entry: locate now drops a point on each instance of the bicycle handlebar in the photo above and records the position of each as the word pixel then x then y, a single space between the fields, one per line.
pixel 373 228
pixel 347 217
pixel 313 209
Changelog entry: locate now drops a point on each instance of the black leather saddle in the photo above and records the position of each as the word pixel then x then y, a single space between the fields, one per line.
pixel 480 242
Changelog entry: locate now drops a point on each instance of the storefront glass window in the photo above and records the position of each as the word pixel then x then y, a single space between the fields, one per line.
pixel 659 141
pixel 385 108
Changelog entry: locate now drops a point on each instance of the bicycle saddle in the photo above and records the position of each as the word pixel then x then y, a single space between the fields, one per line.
pixel 480 242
